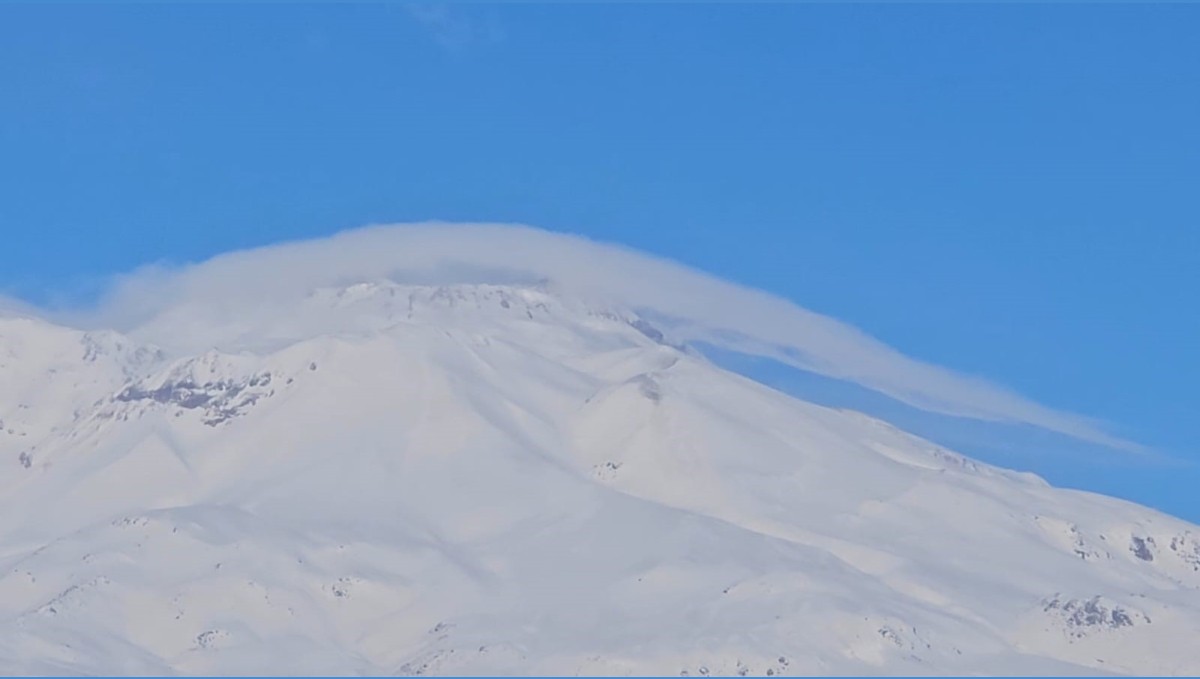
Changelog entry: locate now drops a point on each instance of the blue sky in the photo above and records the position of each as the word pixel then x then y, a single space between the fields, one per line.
pixel 1011 191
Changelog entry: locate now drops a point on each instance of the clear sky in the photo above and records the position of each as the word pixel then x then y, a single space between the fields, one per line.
pixel 1011 191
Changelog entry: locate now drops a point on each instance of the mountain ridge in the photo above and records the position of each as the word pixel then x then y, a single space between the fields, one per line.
pixel 411 479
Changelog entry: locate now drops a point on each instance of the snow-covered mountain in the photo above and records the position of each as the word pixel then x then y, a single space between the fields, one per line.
pixel 507 479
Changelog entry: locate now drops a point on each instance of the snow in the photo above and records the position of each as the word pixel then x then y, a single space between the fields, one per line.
pixel 487 479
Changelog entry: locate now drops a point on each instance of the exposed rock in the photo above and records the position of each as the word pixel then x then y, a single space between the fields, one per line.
pixel 219 400
pixel 648 330
pixel 1187 548
pixel 1082 617
pixel 1141 548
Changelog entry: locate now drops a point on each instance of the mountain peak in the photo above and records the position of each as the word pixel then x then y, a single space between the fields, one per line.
pixel 366 308
pixel 382 477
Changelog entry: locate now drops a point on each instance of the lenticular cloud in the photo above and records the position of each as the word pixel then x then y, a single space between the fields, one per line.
pixel 691 305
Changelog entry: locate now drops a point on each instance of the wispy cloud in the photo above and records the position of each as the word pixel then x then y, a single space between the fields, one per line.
pixel 452 28
pixel 201 305
pixel 10 306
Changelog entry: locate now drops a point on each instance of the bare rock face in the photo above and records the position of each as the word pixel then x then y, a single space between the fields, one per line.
pixel 1142 548
pixel 1186 547
pixel 218 401
pixel 1083 617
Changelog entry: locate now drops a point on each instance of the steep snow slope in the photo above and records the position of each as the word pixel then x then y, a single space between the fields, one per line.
pixel 488 479
pixel 50 376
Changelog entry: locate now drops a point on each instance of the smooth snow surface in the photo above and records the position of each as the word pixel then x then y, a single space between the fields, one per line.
pixel 480 479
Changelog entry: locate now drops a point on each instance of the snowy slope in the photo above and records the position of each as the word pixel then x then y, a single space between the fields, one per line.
pixel 395 479
pixel 52 376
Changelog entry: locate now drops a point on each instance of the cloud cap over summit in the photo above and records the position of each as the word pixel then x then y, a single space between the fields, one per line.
pixel 228 289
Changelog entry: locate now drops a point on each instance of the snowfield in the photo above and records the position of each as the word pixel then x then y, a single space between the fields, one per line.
pixel 504 479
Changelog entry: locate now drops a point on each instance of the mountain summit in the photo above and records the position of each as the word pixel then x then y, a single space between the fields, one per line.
pixel 385 478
